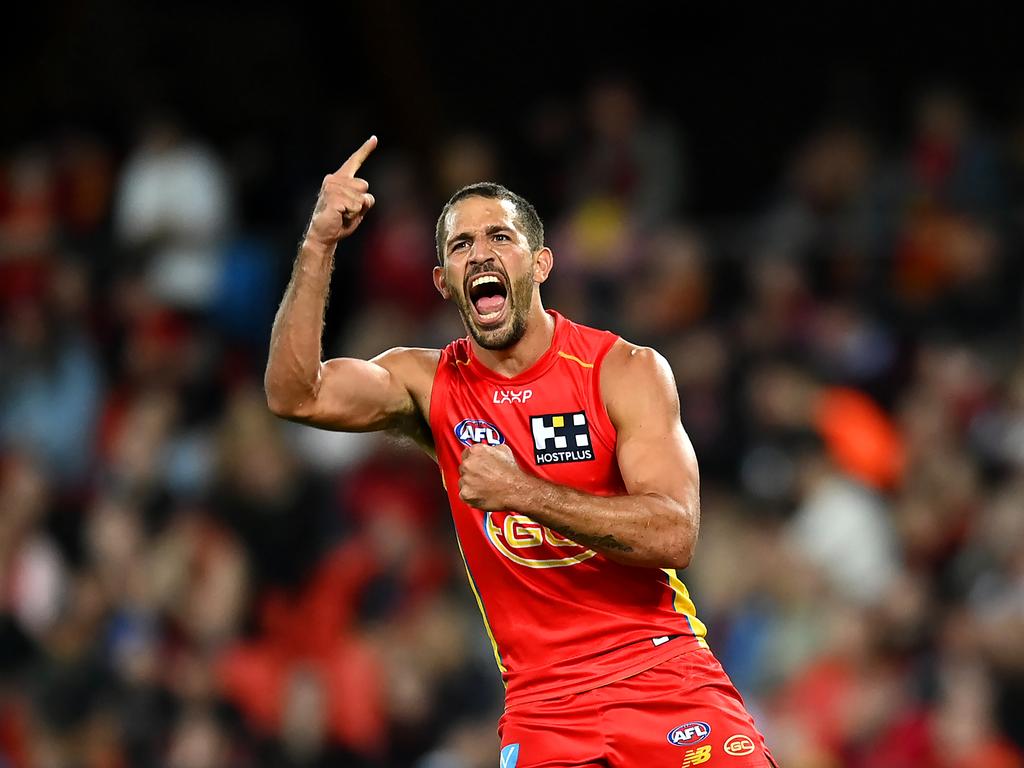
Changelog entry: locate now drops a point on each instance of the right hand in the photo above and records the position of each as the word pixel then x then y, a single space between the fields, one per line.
pixel 343 201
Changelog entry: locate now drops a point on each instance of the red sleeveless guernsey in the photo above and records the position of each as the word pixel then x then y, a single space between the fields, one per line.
pixel 561 618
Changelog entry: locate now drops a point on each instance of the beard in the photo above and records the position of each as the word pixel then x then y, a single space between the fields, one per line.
pixel 520 296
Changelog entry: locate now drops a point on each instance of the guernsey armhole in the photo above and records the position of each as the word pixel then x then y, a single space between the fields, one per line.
pixel 439 391
pixel 603 427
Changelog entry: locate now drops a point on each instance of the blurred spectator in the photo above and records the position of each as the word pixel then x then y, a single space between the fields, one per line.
pixel 465 159
pixel 32 570
pixel 827 216
pixel 625 184
pixel 172 212
pixel 29 220
pixel 632 158
pixel 670 291
pixel 952 161
pixel 400 245
pixel 50 380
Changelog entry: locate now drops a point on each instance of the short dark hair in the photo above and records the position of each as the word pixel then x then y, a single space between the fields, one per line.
pixel 526 215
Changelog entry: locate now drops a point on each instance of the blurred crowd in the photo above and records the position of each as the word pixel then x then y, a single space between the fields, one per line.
pixel 186 581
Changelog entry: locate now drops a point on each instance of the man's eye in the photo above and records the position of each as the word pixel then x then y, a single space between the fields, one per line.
pixel 458 245
pixel 502 236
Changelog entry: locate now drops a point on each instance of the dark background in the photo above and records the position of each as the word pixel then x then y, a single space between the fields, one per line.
pixel 747 85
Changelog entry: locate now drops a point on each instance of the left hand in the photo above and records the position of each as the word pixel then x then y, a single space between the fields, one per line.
pixel 489 478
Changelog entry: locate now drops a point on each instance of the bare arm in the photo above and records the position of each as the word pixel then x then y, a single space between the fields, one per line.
pixel 343 394
pixel 656 523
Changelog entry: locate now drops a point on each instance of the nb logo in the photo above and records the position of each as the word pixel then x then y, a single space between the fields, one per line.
pixel 512 396
pixel 696 756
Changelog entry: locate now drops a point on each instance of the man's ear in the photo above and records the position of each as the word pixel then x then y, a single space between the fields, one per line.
pixel 542 264
pixel 439 283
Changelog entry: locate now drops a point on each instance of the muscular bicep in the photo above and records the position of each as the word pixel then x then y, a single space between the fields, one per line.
pixel 366 395
pixel 654 453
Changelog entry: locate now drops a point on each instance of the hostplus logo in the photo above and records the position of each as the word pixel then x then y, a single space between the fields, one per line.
pixel 561 437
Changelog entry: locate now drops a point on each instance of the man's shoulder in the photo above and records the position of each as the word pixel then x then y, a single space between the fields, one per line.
pixel 634 358
pixel 632 369
pixel 413 366
pixel 409 358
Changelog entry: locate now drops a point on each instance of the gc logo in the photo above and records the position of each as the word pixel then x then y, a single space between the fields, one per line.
pixel 739 745
pixel 526 542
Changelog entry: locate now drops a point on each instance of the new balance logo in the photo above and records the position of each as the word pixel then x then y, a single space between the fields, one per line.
pixel 561 437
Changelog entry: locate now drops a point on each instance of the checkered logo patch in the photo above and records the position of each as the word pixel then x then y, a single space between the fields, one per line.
pixel 561 437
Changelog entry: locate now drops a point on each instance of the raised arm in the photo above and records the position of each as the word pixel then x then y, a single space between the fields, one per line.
pixel 655 524
pixel 388 392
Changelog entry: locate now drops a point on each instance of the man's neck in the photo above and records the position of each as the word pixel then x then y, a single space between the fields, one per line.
pixel 510 362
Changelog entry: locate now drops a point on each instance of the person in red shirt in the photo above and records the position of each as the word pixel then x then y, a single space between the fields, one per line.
pixel 573 487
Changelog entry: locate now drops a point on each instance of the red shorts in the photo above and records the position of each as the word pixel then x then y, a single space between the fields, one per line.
pixel 681 713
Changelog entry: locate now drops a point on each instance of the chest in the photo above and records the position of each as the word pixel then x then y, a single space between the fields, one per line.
pixel 556 426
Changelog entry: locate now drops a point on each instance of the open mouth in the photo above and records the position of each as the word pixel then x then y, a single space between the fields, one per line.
pixel 488 294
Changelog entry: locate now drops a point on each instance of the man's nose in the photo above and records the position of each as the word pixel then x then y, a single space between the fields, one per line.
pixel 478 250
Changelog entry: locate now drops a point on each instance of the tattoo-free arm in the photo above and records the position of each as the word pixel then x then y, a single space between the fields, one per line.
pixel 389 392
pixel 344 394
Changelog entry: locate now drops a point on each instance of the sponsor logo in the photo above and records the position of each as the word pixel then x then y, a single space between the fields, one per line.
pixel 739 745
pixel 512 396
pixel 696 756
pixel 561 437
pixel 509 756
pixel 689 733
pixel 473 431
pixel 527 542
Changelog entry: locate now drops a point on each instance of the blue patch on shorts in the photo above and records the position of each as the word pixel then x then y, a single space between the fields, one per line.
pixel 509 756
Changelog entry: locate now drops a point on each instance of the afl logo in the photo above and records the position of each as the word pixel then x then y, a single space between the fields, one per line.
pixel 526 542
pixel 689 733
pixel 474 431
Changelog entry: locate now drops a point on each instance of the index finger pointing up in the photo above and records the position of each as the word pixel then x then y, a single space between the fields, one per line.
pixel 350 166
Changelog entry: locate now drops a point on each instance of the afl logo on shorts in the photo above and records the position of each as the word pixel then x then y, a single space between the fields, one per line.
pixel 689 733
pixel 526 542
pixel 474 431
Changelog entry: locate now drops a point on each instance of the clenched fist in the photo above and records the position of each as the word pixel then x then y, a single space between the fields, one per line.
pixel 489 478
pixel 343 201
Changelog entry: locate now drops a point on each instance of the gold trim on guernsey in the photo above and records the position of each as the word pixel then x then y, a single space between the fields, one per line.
pixel 575 359
pixel 682 603
pixel 483 613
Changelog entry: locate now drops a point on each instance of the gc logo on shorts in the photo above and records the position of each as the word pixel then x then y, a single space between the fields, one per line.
pixel 739 745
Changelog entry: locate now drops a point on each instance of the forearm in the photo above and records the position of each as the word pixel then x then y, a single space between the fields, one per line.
pixel 649 530
pixel 293 364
